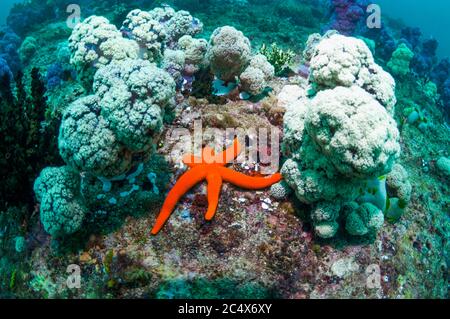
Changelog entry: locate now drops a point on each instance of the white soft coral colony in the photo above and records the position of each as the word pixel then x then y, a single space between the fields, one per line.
pixel 95 43
pixel 347 61
pixel 343 136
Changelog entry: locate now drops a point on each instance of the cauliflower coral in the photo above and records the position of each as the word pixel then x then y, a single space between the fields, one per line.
pixel 254 79
pixel 399 64
pixel 194 52
pixel 106 140
pixel 340 138
pixel 176 24
pixel 87 142
pixel 133 96
pixel 148 33
pixel 229 53
pixel 230 58
pixel 354 131
pixel 345 61
pixel 62 208
pixel 95 43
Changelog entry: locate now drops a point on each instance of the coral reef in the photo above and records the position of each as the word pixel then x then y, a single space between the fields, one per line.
pixel 230 58
pixel 443 164
pixel 364 219
pixel 210 167
pixel 412 37
pixel 176 24
pixel 279 58
pixel 426 58
pixel 194 53
pixel 398 183
pixel 141 71
pixel 24 16
pixel 5 72
pixel 134 95
pixel 147 32
pixel 87 142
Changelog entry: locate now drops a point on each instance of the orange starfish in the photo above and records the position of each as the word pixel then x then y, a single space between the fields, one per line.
pixel 210 167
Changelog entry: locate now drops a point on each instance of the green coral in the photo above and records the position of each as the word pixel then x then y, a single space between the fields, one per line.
pixel 279 58
pixel 364 220
pixel 430 90
pixel 27 49
pixel 400 60
pixel 62 209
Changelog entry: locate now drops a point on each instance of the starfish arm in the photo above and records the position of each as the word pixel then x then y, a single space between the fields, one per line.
pixel 229 154
pixel 183 185
pixel 191 160
pixel 214 187
pixel 248 182
pixel 208 155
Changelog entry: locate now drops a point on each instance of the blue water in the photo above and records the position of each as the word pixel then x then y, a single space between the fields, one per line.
pixel 431 16
pixel 6 7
